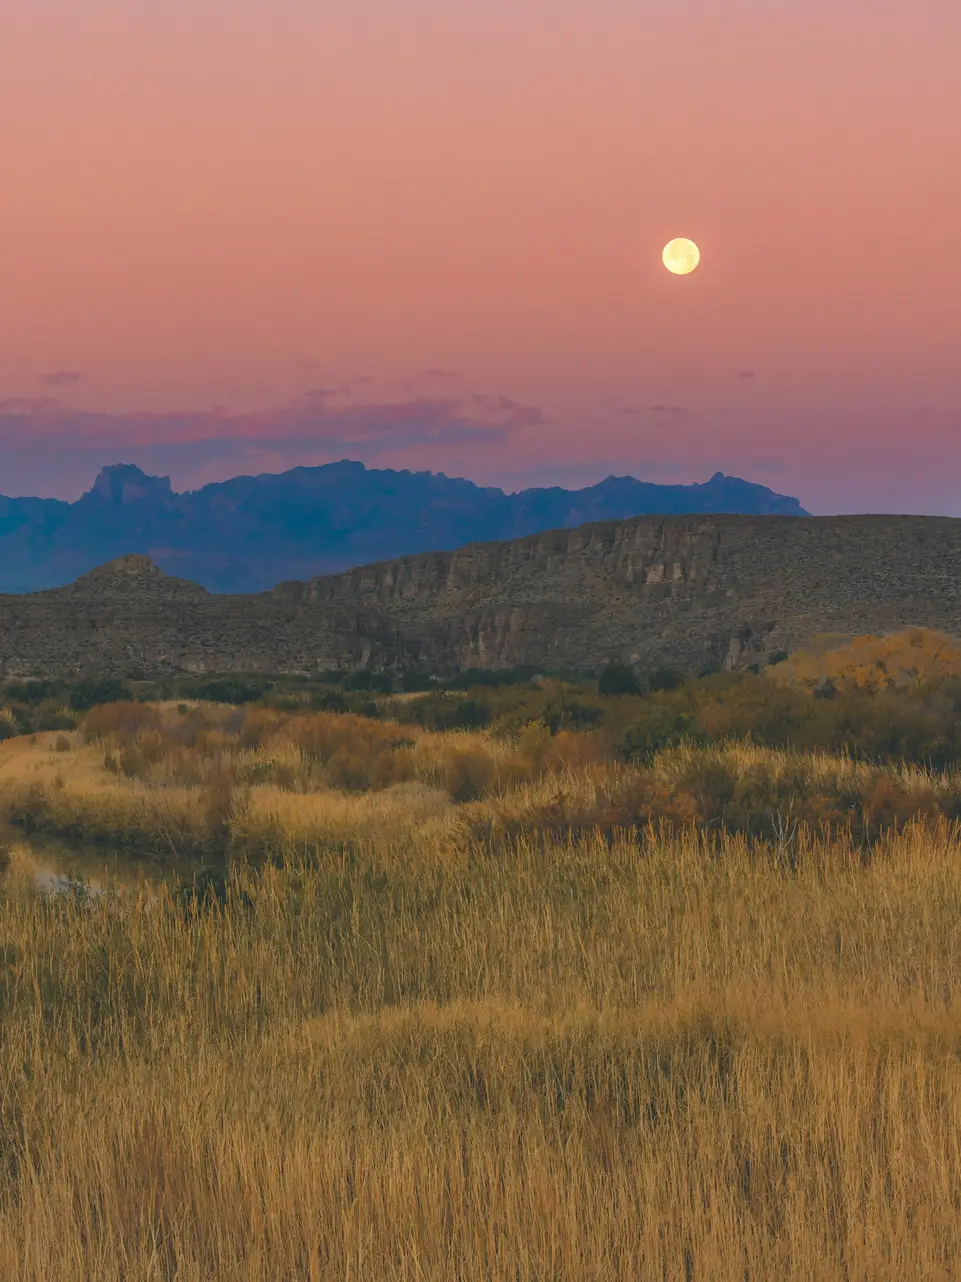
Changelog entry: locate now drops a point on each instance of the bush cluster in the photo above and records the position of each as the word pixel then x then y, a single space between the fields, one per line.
pixel 643 713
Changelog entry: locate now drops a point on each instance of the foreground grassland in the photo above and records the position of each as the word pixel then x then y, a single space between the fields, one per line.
pixel 477 1008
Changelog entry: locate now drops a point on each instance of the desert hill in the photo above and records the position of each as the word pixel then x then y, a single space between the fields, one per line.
pixel 691 591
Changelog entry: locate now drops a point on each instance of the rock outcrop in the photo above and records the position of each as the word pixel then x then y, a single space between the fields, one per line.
pixel 688 591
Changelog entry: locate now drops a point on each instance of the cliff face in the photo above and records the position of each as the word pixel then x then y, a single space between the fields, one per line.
pixel 128 617
pixel 687 591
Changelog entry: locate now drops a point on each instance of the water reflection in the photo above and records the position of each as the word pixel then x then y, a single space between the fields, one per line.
pixel 60 867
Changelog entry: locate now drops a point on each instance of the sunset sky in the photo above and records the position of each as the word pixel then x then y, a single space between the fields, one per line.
pixel 240 235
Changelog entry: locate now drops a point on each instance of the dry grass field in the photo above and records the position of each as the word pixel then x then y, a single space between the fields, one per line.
pixel 477 1009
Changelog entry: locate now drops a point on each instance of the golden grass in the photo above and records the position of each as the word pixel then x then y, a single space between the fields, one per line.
pixel 410 1053
pixel 268 783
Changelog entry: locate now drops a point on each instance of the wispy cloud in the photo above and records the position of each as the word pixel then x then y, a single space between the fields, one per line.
pixel 29 407
pixel 61 377
pixel 322 424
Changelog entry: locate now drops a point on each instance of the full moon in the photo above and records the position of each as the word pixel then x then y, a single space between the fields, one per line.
pixel 681 256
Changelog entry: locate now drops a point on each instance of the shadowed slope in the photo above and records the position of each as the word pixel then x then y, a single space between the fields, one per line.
pixel 687 591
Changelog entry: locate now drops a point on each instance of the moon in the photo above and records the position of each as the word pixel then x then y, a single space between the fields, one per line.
pixel 681 256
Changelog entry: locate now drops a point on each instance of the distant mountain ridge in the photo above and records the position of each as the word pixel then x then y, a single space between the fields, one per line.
pixel 251 532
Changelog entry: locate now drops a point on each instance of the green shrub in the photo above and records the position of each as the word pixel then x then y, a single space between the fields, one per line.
pixel 96 690
pixel 566 712
pixel 440 712
pixel 491 678
pixel 618 678
pixel 33 692
pixel 660 728
pixel 366 680
pixel 55 721
pixel 233 690
pixel 328 701
pixel 663 678
pixel 414 680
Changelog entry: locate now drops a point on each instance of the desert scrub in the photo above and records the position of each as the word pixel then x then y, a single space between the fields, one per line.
pixel 213 781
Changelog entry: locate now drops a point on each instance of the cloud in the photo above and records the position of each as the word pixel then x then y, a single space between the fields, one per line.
pixel 321 425
pixel 508 413
pixel 746 373
pixel 61 377
pixel 31 407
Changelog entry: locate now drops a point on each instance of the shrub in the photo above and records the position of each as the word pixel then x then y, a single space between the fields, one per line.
pixel 570 751
pixel 618 678
pixel 9 724
pixel 355 768
pixel 366 680
pixel 61 720
pixel 467 773
pixel 322 735
pixel 440 712
pixel 710 784
pixel 233 690
pixel 93 691
pixel 533 744
pixel 33 692
pixel 121 722
pixel 415 680
pixel 660 728
pixel 491 678
pixel 328 701
pixel 663 678
pixel 565 712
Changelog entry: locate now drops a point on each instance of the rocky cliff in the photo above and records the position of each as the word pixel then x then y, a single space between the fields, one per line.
pixel 688 591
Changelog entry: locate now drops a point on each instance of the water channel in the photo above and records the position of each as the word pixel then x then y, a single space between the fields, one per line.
pixel 60 867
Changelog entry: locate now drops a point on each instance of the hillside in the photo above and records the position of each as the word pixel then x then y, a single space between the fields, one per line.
pixel 692 592
pixel 249 533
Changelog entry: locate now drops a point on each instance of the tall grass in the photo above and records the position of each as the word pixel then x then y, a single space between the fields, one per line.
pixel 462 1039
pixel 209 783
pixel 584 1059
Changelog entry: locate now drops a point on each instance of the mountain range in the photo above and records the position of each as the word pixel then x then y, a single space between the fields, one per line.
pixel 251 532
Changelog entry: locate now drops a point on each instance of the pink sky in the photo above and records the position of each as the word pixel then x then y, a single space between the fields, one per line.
pixel 237 236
